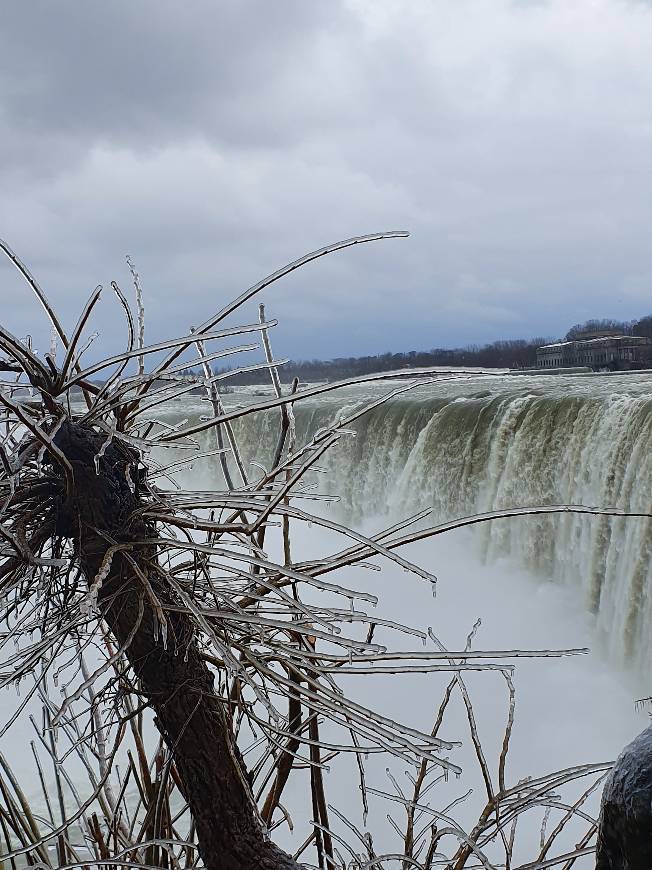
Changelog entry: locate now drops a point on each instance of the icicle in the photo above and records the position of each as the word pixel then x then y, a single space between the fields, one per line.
pixel 130 482
pixel 100 453
pixel 164 633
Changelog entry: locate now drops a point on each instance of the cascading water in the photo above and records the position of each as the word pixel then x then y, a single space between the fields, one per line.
pixel 461 447
pixel 480 444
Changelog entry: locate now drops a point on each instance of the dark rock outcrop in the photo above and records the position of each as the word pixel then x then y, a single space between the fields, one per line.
pixel 625 832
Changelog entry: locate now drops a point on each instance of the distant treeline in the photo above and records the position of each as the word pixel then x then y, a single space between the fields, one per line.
pixel 513 353
pixel 626 327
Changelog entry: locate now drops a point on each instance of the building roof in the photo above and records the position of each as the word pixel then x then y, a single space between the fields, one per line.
pixel 605 339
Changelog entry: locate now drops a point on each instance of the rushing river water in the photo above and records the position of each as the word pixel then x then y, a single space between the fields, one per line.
pixel 479 444
pixel 471 445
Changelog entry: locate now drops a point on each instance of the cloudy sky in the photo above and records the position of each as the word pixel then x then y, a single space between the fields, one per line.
pixel 215 141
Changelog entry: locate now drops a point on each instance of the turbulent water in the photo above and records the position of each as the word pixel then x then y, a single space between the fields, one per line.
pixel 460 447
pixel 481 444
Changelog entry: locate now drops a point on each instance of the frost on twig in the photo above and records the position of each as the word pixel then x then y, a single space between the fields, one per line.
pixel 140 307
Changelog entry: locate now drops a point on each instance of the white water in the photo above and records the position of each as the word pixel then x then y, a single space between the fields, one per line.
pixel 569 711
pixel 479 445
pixel 537 582
pixel 485 444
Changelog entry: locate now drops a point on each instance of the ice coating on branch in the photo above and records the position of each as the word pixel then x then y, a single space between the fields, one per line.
pixel 141 312
pixel 88 604
pixel 98 456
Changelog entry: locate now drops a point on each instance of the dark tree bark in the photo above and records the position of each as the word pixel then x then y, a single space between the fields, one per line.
pixel 625 832
pixel 174 678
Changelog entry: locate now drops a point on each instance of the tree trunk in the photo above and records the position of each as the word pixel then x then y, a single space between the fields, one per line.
pixel 174 678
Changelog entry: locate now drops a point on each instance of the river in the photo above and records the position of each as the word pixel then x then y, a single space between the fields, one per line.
pixel 483 443
pixel 458 447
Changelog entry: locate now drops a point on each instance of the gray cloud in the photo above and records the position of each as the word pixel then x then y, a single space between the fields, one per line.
pixel 215 141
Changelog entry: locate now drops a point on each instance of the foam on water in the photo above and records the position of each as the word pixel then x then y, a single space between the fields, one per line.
pixel 569 711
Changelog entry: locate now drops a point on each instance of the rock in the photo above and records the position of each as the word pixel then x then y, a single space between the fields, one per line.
pixel 625 831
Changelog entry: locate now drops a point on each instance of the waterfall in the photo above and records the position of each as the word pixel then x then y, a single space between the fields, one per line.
pixel 465 447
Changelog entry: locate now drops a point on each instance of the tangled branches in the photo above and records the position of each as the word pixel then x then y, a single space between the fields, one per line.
pixel 188 676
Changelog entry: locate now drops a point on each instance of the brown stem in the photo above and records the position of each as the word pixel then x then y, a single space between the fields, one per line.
pixel 286 761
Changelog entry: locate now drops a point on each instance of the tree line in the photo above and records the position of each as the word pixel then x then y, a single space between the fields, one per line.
pixel 510 353
pixel 643 326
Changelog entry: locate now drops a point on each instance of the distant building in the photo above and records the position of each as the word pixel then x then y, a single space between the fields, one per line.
pixel 606 351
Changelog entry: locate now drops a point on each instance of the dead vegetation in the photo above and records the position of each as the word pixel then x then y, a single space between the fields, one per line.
pixel 179 677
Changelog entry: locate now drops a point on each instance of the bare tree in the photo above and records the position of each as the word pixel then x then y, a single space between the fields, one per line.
pixel 132 601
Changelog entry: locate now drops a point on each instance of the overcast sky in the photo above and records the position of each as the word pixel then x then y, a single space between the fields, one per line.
pixel 215 141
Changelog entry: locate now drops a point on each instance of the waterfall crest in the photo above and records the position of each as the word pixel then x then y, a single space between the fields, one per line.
pixel 473 446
